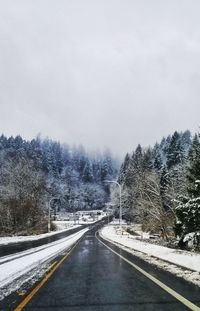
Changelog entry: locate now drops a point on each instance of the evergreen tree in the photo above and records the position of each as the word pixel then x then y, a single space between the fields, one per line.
pixel 53 170
pixel 88 176
pixel 130 173
pixel 164 187
pixel 147 160
pixel 165 147
pixel 123 169
pixel 3 142
pixel 138 158
pixel 193 174
pixel 157 158
pixel 107 170
pixel 152 179
pixel 188 214
pixel 186 142
pixel 175 151
pixel 188 207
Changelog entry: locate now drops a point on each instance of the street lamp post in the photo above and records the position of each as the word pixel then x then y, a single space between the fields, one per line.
pixel 120 201
pixel 49 212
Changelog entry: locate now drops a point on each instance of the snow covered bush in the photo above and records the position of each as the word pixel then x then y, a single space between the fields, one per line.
pixel 187 225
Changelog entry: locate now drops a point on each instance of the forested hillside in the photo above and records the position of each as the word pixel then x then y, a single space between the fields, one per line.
pixel 34 171
pixel 161 186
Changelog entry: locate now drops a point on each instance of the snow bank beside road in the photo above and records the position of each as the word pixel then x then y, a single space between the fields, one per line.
pixel 17 266
pixel 185 259
pixel 17 239
pixel 62 226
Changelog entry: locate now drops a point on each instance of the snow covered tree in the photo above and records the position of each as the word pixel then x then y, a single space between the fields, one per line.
pixel 175 151
pixel 147 160
pixel 154 215
pixel 88 172
pixel 188 222
pixel 160 171
pixel 157 157
pixel 34 171
pixel 186 142
pixel 164 187
pixel 188 207
pixel 107 169
pixel 21 200
pixel 124 168
pixel 193 173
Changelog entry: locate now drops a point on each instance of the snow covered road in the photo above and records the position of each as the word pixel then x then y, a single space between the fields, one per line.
pixel 15 266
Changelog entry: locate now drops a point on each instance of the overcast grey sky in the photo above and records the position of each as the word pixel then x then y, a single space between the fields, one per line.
pixel 99 72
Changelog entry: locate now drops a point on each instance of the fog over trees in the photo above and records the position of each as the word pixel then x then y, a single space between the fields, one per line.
pixel 160 184
pixel 34 171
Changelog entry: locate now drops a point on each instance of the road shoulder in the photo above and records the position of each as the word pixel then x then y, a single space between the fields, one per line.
pixel 108 233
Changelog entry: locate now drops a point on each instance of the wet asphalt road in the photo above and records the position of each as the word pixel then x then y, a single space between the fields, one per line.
pixel 93 278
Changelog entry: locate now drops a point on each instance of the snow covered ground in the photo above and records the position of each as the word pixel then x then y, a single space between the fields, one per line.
pixel 170 259
pixel 16 239
pixel 15 268
pixel 115 221
pixel 62 226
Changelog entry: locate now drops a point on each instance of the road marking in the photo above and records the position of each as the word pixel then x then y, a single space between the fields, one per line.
pixel 52 265
pixel 44 280
pixel 169 290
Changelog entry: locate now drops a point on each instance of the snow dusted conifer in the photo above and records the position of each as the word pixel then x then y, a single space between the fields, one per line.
pixel 193 174
pixel 56 169
pixel 138 158
pixel 159 171
pixel 175 151
pixel 147 160
pixel 157 157
pixel 188 207
pixel 123 169
pixel 186 142
pixel 88 172
pixel 164 187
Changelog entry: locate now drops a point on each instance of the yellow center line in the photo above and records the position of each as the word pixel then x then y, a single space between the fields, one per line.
pixel 52 265
pixel 169 290
pixel 44 280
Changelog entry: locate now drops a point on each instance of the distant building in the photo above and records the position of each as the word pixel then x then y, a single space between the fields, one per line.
pixel 95 214
pixel 89 215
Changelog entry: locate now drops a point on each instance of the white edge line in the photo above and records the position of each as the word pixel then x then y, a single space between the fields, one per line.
pixel 169 290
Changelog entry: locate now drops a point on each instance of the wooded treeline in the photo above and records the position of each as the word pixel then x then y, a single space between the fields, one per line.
pixel 161 187
pixel 34 171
